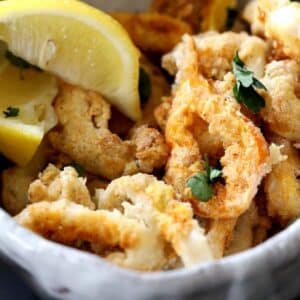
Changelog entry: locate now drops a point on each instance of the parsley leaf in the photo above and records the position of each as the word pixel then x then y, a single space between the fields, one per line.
pixel 145 88
pixel 231 16
pixel 200 187
pixel 201 184
pixel 79 168
pixel 244 89
pixel 11 112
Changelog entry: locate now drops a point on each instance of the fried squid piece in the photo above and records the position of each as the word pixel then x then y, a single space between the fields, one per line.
pixel 139 225
pixel 216 51
pixel 174 219
pixel 282 111
pixel 54 185
pixel 246 160
pixel 153 32
pixel 282 185
pixel 281 20
pixel 84 136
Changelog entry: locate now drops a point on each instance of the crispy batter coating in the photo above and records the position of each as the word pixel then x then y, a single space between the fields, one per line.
pixel 216 51
pixel 282 185
pixel 153 32
pixel 138 216
pixel 54 185
pixel 246 158
pixel 83 135
pixel 282 111
pixel 150 146
pixel 209 144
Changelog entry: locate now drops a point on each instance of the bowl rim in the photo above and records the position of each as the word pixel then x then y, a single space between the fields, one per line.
pixel 19 245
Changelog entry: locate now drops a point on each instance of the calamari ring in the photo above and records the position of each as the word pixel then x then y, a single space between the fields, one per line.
pixel 246 159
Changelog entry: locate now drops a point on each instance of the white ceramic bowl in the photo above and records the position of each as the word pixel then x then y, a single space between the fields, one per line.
pixel 57 272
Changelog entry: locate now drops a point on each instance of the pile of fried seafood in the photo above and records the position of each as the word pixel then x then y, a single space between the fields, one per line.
pixel 211 169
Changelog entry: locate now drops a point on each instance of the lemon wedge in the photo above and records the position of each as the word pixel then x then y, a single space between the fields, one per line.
pixel 217 13
pixel 78 43
pixel 30 94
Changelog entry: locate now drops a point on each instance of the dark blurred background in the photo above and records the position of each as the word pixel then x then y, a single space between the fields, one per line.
pixel 12 286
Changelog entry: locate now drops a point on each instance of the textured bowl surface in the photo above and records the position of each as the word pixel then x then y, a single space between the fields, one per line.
pixel 57 272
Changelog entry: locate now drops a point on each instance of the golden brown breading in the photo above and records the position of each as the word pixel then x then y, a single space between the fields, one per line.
pixel 282 111
pixel 54 185
pixel 83 135
pixel 151 150
pixel 162 111
pixel 153 32
pixel 282 186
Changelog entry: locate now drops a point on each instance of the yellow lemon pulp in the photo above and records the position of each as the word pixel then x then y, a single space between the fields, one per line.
pixel 32 93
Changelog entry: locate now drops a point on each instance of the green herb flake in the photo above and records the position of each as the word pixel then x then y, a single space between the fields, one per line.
pixel 231 17
pixel 201 184
pixel 11 112
pixel 244 90
pixel 79 169
pixel 145 88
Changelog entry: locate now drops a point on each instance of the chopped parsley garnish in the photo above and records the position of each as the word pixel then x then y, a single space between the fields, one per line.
pixel 231 16
pixel 19 62
pixel 201 184
pixel 145 88
pixel 11 112
pixel 79 169
pixel 244 90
